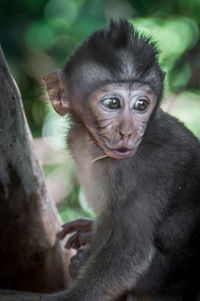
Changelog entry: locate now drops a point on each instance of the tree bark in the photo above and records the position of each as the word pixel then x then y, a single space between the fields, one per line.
pixel 30 256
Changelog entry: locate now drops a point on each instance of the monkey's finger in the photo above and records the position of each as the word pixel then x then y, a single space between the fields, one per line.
pixel 82 225
pixel 79 257
pixel 73 241
pixel 77 262
pixel 85 238
pixel 78 239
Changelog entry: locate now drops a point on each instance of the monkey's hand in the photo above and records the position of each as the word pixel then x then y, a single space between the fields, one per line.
pixel 78 261
pixel 83 233
pixel 81 237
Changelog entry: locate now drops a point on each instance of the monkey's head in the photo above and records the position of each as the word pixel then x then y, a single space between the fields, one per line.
pixel 111 85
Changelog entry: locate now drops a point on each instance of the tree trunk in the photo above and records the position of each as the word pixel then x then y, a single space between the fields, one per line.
pixel 30 256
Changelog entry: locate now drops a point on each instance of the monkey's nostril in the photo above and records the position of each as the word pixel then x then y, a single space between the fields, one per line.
pixel 125 134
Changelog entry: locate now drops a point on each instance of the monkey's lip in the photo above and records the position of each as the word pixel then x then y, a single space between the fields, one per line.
pixel 122 151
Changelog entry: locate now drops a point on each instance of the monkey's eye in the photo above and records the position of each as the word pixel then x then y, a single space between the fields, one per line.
pixel 141 104
pixel 112 103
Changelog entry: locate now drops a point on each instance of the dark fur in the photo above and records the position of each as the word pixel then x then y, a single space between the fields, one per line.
pixel 119 54
pixel 154 196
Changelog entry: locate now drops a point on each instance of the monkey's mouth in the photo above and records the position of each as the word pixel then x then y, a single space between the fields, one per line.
pixel 123 151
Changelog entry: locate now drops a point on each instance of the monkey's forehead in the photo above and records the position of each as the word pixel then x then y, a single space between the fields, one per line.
pixel 91 76
pixel 121 87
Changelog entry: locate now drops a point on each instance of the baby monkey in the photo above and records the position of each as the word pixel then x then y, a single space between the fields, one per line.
pixel 139 169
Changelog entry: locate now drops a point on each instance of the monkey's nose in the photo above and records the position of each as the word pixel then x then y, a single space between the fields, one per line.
pixel 125 134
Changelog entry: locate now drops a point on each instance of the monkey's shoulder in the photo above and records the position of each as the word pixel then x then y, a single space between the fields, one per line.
pixel 172 152
pixel 177 129
pixel 172 135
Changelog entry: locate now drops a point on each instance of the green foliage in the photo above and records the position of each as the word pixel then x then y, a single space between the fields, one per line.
pixel 71 209
pixel 175 36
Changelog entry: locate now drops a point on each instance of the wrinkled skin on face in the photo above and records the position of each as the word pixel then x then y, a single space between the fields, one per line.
pixel 120 114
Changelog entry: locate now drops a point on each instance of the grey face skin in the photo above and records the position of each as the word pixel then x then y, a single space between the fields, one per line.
pixel 131 160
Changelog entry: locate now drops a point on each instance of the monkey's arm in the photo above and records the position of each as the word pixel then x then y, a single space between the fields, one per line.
pixel 111 269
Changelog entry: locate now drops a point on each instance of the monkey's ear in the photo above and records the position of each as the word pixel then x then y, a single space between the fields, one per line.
pixel 57 91
pixel 163 74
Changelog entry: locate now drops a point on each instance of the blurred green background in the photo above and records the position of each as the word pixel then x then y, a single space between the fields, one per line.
pixel 38 36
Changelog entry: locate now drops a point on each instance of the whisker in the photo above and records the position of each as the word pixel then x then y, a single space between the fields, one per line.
pixel 99 158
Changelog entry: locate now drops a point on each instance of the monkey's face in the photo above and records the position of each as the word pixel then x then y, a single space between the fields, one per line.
pixel 120 116
pixel 117 115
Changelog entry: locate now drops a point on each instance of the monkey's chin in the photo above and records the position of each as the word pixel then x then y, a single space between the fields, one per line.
pixel 120 153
